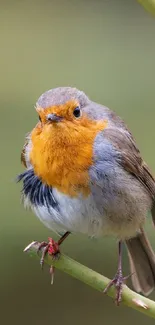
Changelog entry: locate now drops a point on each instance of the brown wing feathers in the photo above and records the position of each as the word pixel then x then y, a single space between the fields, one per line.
pixel 22 156
pixel 131 159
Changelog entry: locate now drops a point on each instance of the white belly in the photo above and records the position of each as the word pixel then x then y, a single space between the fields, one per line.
pixel 77 215
pixel 81 215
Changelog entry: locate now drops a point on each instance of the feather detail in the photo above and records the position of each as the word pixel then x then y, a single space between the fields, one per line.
pixel 35 191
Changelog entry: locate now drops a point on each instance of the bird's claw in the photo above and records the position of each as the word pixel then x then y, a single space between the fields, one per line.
pixel 52 269
pixel 118 281
pixel 51 247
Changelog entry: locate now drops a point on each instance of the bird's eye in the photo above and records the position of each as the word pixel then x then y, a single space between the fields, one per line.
pixel 77 112
pixel 39 118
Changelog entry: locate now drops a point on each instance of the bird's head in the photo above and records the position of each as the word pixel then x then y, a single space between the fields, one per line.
pixel 64 115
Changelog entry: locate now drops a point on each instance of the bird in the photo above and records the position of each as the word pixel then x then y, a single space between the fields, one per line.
pixel 84 174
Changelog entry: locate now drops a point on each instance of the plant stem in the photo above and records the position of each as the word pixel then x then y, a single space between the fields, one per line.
pixel 95 280
pixel 149 5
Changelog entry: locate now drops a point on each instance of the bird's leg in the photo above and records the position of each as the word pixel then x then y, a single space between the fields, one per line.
pixel 52 248
pixel 118 280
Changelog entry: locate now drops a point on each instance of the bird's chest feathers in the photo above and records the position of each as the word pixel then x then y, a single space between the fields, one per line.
pixel 62 156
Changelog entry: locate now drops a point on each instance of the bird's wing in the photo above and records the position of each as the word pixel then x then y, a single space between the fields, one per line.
pixel 22 156
pixel 130 157
pixel 131 160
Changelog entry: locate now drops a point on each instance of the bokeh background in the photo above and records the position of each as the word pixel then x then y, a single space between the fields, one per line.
pixel 107 49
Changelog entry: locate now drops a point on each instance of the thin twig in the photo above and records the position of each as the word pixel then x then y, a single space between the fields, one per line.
pixel 149 5
pixel 95 280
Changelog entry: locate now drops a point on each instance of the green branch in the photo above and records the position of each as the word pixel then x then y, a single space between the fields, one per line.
pixel 95 280
pixel 149 5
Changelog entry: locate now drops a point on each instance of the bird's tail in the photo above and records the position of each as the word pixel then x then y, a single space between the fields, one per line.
pixel 142 263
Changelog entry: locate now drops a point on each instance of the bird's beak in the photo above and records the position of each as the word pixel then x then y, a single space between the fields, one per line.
pixel 53 118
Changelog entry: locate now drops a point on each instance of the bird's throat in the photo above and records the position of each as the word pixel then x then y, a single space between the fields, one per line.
pixel 62 156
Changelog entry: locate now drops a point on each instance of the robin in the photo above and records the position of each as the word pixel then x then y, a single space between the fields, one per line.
pixel 84 174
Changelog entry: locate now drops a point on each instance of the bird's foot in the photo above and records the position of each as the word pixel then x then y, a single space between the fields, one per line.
pixel 118 281
pixel 51 247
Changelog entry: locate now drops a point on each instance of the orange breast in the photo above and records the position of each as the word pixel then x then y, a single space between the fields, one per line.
pixel 63 153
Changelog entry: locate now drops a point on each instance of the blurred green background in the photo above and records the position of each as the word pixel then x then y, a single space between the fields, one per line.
pixel 107 49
